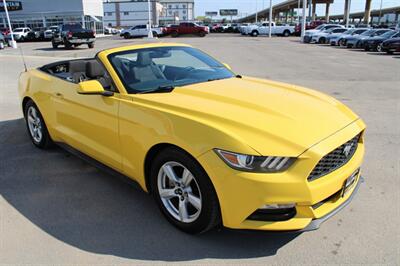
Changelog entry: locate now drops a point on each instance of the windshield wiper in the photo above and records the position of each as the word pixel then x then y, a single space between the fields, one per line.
pixel 159 89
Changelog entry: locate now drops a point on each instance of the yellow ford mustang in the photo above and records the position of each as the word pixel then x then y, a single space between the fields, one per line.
pixel 212 147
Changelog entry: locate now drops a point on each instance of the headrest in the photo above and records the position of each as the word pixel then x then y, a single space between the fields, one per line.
pixel 77 66
pixel 144 59
pixel 94 69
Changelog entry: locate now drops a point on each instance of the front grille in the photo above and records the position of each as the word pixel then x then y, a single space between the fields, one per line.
pixel 335 159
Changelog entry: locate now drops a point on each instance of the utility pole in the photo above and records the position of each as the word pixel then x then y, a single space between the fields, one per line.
pixel 270 18
pixel 13 42
pixel 380 13
pixel 150 33
pixel 348 13
pixel 303 24
pixel 256 12
pixel 298 11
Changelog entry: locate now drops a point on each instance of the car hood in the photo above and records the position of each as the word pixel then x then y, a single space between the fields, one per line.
pixel 376 38
pixel 272 118
pixel 312 31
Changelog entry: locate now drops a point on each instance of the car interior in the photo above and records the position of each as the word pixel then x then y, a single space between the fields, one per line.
pixel 76 71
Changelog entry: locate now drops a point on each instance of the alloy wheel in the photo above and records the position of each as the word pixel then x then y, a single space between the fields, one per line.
pixel 179 192
pixel 35 124
pixel 379 48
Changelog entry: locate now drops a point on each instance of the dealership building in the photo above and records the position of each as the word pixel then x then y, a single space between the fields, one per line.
pixel 45 13
pixel 121 13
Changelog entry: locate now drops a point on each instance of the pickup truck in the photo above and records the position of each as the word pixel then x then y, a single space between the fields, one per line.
pixel 73 35
pixel 141 31
pixel 263 29
pixel 186 28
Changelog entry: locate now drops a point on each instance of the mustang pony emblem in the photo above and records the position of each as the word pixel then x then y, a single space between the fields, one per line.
pixel 347 149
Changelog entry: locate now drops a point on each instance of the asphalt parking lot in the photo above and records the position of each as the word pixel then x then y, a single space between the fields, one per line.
pixel 57 209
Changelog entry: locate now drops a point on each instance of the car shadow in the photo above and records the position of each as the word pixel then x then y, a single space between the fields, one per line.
pixel 91 210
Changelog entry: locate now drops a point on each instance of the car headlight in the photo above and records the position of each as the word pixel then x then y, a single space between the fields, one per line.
pixel 252 163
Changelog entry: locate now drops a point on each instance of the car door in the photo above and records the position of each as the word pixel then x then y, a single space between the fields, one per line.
pixel 88 123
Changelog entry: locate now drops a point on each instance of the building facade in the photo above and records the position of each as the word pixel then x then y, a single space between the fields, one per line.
pixel 46 13
pixel 177 10
pixel 125 13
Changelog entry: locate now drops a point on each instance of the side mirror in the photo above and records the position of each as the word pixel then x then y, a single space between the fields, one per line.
pixel 227 66
pixel 92 87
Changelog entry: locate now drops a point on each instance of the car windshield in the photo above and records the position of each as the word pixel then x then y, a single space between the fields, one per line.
pixel 144 70
pixel 367 33
pixel 320 27
pixel 19 30
pixel 72 26
pixel 388 34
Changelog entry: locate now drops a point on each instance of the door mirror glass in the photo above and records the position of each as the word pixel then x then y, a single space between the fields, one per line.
pixel 92 87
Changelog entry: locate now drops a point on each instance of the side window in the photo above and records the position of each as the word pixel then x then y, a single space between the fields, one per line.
pixel 190 25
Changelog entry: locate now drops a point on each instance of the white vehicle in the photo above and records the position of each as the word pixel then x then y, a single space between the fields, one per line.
pixel 323 36
pixel 140 31
pixel 20 34
pixel 309 33
pixel 263 29
pixel 48 34
pixel 243 27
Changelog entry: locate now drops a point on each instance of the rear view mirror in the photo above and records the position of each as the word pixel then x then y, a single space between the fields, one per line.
pixel 92 87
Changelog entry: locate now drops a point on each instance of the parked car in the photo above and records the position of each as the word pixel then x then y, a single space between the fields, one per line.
pixel 110 30
pixel 36 34
pixel 323 36
pixel 186 28
pixel 357 41
pixel 309 26
pixel 375 43
pixel 20 34
pixel 243 27
pixel 3 41
pixel 73 35
pixel 141 31
pixel 339 38
pixel 309 33
pixel 391 45
pixel 213 148
pixel 217 28
pixel 4 31
pixel 263 29
pixel 48 33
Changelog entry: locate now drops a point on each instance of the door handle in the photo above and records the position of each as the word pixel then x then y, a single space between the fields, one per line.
pixel 59 95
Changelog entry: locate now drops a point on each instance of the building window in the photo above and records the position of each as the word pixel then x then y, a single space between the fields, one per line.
pixel 176 6
pixel 108 14
pixel 184 17
pixel 170 13
pixel 184 11
pixel 183 6
pixel 126 13
pixel 169 6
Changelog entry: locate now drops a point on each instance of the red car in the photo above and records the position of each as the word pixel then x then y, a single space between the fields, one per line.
pixel 309 26
pixel 4 31
pixel 186 28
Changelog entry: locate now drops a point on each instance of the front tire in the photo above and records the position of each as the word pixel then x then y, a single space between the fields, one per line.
pixel 91 45
pixel 286 33
pixel 379 48
pixel 254 33
pixel 184 192
pixel 36 126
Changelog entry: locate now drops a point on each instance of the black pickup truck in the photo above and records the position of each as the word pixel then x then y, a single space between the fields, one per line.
pixel 73 35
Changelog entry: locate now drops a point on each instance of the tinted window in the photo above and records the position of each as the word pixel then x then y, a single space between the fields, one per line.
pixel 147 69
pixel 72 27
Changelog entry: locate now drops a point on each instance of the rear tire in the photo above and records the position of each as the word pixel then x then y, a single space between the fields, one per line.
pixel 68 45
pixel 55 45
pixel 127 36
pixel 286 33
pixel 91 45
pixel 254 33
pixel 36 126
pixel 190 203
pixel 321 40
pixel 202 34
pixel 174 34
pixel 155 34
pixel 379 48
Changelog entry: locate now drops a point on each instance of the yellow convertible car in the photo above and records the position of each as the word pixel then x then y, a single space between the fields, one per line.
pixel 212 147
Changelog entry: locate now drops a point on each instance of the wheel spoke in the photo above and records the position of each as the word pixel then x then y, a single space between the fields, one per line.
pixel 34 114
pixel 169 171
pixel 195 201
pixel 39 134
pixel 186 177
pixel 30 119
pixel 167 193
pixel 183 214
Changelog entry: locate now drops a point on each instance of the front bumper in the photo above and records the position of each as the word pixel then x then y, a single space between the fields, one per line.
pixel 240 194
pixel 307 39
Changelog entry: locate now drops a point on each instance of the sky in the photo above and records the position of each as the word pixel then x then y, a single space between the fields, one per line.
pixel 247 7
